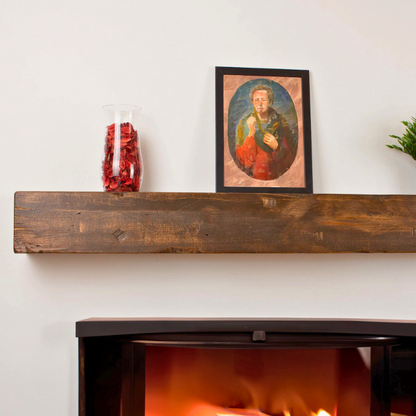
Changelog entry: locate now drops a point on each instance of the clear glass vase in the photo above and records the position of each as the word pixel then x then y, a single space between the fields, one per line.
pixel 122 162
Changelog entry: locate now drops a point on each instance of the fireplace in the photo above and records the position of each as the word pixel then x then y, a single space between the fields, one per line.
pixel 233 367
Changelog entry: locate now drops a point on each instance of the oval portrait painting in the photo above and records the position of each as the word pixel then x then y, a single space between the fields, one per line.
pixel 262 129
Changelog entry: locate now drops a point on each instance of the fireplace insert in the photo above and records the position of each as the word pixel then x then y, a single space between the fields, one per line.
pixel 246 367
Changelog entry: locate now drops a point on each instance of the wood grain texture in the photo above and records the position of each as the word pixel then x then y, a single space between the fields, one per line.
pixel 98 222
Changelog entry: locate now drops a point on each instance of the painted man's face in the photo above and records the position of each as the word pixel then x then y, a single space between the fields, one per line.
pixel 261 101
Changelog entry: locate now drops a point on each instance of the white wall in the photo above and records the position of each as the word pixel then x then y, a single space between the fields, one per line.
pixel 60 61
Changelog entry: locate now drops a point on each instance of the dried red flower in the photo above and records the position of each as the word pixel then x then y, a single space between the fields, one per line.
pixel 122 170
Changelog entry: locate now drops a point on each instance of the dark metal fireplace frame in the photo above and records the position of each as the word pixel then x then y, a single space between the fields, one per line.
pixel 112 354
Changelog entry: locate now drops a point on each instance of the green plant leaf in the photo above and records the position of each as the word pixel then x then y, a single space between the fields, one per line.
pixel 393 146
pixel 408 140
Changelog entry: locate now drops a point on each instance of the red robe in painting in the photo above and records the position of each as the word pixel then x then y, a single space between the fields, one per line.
pixel 262 165
pixel 256 158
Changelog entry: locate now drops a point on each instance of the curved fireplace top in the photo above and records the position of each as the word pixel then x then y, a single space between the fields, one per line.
pixel 99 327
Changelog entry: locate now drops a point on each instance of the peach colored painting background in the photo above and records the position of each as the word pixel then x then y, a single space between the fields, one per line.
pixel 295 176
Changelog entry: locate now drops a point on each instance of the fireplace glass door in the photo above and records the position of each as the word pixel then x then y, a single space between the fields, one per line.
pixel 257 382
pixel 281 376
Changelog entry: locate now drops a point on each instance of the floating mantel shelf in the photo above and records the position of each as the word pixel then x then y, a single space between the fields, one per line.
pixel 98 222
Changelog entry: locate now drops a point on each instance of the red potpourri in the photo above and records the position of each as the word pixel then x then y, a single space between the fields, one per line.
pixel 122 167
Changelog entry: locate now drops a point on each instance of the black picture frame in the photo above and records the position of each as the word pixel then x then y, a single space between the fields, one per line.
pixel 226 79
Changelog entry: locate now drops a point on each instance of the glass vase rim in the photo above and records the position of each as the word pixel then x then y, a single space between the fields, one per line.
pixel 122 107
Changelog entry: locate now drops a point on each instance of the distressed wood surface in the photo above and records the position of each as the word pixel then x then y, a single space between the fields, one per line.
pixel 98 222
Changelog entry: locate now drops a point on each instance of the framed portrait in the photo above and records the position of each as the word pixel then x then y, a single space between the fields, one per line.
pixel 263 130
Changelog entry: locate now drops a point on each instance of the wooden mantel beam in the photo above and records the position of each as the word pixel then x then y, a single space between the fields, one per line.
pixel 99 222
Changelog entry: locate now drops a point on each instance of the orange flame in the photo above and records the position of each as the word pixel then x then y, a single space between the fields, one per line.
pixel 241 412
pixel 321 412
pixel 227 382
pixel 247 412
